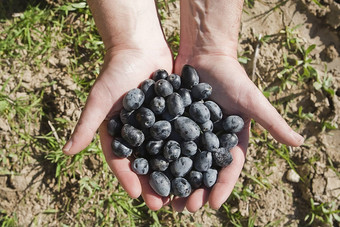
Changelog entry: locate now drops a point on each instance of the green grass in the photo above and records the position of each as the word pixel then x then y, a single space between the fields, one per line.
pixel 299 70
pixel 83 194
pixel 325 213
pixel 7 220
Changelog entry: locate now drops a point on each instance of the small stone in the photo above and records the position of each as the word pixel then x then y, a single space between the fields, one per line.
pixel 292 176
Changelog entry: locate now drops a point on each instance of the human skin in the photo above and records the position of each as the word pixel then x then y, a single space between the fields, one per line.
pixel 136 48
pixel 209 39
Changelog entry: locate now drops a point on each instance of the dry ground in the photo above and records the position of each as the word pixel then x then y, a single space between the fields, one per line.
pixel 289 48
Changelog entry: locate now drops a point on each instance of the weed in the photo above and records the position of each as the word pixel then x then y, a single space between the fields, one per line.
pixel 298 64
pixel 304 116
pixel 69 165
pixel 271 90
pixel 88 184
pixel 163 8
pixel 241 192
pixel 308 70
pixel 328 125
pixel 70 6
pixel 28 37
pixel 173 42
pixel 284 153
pixel 332 167
pixel 7 220
pixel 291 41
pixel 325 83
pixel 287 74
pixel 327 213
pixel 249 3
pixel 317 3
pixel 235 217
pixel 33 36
pixel 242 57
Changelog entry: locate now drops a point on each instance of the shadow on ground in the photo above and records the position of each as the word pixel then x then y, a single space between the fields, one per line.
pixel 8 8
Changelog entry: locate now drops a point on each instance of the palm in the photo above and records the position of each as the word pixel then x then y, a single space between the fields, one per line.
pixel 122 71
pixel 236 94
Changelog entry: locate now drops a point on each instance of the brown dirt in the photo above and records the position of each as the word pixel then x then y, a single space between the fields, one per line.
pixel 284 202
pixel 33 192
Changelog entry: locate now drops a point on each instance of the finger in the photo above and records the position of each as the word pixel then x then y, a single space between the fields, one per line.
pixel 133 184
pixel 197 199
pixel 178 203
pixel 120 166
pixel 246 98
pixel 166 201
pixel 228 176
pixel 151 199
pixel 97 106
pixel 259 108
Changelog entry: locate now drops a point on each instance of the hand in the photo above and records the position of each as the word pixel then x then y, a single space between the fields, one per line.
pixel 123 70
pixel 136 48
pixel 236 94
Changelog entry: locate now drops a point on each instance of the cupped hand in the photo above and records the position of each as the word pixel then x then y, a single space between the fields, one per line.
pixel 236 94
pixel 123 70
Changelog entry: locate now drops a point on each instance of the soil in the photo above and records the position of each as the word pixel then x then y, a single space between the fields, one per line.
pixel 281 199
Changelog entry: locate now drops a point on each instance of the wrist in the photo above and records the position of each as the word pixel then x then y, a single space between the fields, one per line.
pixel 210 27
pixel 127 24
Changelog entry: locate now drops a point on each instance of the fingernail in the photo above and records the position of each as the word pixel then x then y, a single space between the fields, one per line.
pixel 298 137
pixel 67 146
pixel 217 207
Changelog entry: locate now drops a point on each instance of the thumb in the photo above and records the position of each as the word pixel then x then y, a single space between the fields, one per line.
pixel 97 107
pixel 264 113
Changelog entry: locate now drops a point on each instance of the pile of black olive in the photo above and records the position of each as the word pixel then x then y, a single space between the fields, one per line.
pixel 175 133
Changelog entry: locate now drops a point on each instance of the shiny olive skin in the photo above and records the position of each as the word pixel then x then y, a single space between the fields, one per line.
pixel 140 166
pixel 207 126
pixel 128 117
pixel 153 147
pixel 159 163
pixel 145 117
pixel 222 157
pixel 120 148
pixel 157 105
pixel 203 161
pixel 163 88
pixel 132 135
pixel 181 187
pixel 215 111
pixel 171 150
pixel 148 88
pixel 160 130
pixel 189 76
pixel 133 99
pixel 160 74
pixel 233 124
pixel 188 148
pixel 210 177
pixel 228 140
pixel 199 112
pixel 160 183
pixel 175 105
pixel 210 141
pixel 201 91
pixel 186 96
pixel 181 166
pixel 175 81
pixel 187 128
pixel 195 179
pixel 114 126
